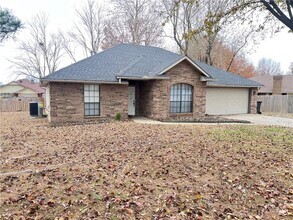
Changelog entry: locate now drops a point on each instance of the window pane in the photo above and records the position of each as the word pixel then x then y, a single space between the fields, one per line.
pixel 92 99
pixel 86 93
pixel 86 87
pixel 186 92
pixel 175 93
pixel 175 107
pixel 186 107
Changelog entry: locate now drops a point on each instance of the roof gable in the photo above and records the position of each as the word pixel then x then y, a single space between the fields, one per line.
pixel 30 85
pixel 11 87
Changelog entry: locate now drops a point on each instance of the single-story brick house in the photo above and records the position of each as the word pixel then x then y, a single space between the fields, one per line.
pixel 144 81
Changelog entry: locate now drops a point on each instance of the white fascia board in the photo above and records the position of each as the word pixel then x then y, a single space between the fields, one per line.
pixel 44 81
pixel 141 78
pixel 232 86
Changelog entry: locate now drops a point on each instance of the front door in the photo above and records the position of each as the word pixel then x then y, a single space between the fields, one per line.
pixel 131 101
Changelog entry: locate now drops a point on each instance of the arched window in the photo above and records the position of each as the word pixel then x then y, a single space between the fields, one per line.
pixel 181 98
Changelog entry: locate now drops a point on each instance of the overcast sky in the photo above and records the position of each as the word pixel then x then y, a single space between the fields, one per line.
pixel 61 13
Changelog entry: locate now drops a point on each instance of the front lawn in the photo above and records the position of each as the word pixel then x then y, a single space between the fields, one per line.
pixel 125 170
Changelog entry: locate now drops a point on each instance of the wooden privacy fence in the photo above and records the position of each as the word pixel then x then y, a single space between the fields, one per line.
pixel 276 103
pixel 16 104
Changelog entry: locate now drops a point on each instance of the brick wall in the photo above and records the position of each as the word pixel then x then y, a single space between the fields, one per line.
pixel 66 104
pixel 114 99
pixel 252 100
pixel 153 100
pixel 155 94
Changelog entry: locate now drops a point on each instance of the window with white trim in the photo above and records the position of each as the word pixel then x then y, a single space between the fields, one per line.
pixel 91 100
pixel 181 98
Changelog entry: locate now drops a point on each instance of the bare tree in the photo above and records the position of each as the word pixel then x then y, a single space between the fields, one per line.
pixel 268 67
pixel 197 25
pixel 200 28
pixel 69 46
pixel 41 54
pixel 133 21
pixel 290 70
pixel 88 30
pixel 182 16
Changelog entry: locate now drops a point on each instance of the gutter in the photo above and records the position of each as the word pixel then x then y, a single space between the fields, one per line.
pixel 140 78
pixel 233 86
pixel 45 81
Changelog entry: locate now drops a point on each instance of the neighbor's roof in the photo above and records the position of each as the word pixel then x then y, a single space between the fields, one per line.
pixel 267 81
pixel 35 86
pixel 128 60
pixel 224 78
pixel 27 84
pixel 287 84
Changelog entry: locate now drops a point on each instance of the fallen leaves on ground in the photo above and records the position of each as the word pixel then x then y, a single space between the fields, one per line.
pixel 123 170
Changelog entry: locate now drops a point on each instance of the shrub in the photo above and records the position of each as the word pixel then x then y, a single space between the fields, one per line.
pixel 118 116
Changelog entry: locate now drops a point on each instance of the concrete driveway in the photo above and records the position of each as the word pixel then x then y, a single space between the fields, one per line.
pixel 263 120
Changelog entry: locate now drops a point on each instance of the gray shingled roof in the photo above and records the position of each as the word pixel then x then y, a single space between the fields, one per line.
pixel 122 60
pixel 224 78
pixel 127 60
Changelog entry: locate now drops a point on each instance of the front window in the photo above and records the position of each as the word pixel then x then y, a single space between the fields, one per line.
pixel 181 98
pixel 91 100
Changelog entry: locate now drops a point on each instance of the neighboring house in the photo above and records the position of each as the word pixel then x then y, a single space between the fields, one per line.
pixel 275 85
pixel 22 88
pixel 144 81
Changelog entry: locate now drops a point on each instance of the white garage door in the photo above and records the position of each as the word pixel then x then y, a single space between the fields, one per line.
pixel 221 101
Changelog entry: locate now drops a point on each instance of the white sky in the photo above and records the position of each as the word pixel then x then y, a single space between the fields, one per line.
pixel 61 14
